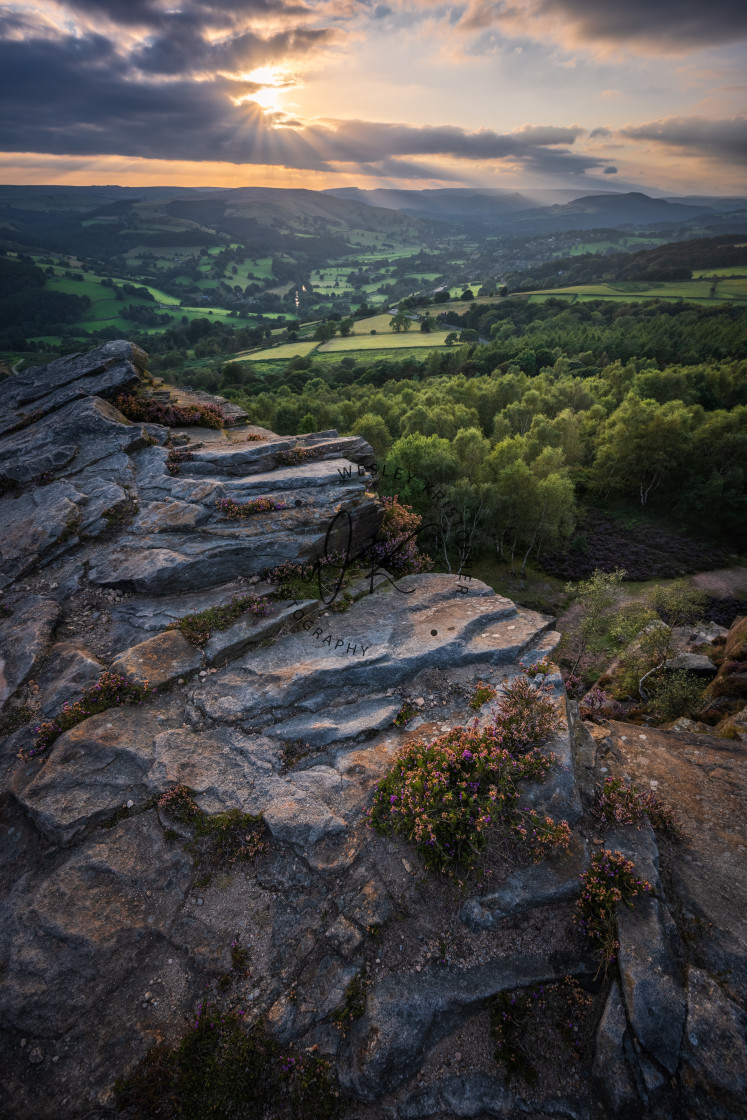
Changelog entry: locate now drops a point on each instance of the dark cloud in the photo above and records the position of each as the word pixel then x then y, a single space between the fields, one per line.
pixel 154 14
pixel 724 139
pixel 610 171
pixel 182 54
pixel 670 24
pixel 596 133
pixel 79 97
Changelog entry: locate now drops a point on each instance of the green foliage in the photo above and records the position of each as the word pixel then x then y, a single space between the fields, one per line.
pixel 677 693
pixel 444 795
pixel 407 712
pixel 198 627
pixel 218 840
pixel 109 691
pixel 509 1016
pixel 482 694
pixel 611 880
pixel 594 597
pixel 224 1070
pixel 354 1004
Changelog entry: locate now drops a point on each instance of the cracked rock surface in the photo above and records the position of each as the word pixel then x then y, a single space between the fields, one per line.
pixel 111 933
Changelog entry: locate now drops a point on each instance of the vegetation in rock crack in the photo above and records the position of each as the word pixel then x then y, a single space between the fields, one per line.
pixel 296 455
pixel 145 411
pixel 198 627
pixel 620 802
pixel 482 693
pixel 109 691
pixel 444 795
pixel 224 1069
pixel 219 839
pixel 405 714
pixel 234 511
pixel 610 881
pixel 509 1014
pixel 513 1022
pixel 353 1005
pixel 175 458
pixel 71 528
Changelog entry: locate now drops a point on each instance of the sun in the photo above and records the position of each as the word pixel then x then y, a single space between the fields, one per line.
pixel 275 83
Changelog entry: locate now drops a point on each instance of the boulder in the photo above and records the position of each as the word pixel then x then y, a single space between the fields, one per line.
pixel 474 1094
pixel 700 777
pixel 69 670
pixel 407 1014
pixel 24 640
pixel 713 1073
pixel 651 954
pixel 554 880
pixel 696 663
pixel 159 661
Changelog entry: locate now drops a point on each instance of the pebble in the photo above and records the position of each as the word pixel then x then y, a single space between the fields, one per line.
pixel 130 803
pixel 36 1057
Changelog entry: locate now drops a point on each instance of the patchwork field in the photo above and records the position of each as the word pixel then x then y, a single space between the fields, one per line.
pixel 697 291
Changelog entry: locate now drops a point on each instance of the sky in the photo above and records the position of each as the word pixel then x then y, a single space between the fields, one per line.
pixel 511 94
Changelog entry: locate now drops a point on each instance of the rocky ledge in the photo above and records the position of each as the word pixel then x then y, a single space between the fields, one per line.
pixel 335 937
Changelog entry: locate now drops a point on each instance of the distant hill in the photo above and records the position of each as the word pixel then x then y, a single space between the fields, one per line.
pixel 673 261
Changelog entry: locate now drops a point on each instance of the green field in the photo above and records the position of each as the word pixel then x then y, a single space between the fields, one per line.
pixel 732 270
pixel 276 353
pixel 405 340
pixel 698 291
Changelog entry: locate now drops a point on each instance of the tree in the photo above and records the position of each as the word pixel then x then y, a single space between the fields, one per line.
pixel 325 331
pixel 346 325
pixel 427 324
pixel 400 322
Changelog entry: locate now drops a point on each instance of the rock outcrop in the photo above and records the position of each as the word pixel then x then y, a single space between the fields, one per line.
pixel 111 932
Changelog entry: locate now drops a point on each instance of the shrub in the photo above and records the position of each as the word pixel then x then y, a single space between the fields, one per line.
pixel 610 880
pixel 509 1015
pixel 222 1069
pixel 234 511
pixel 678 693
pixel 622 803
pixel 444 795
pixel 175 458
pixel 198 628
pixel 297 455
pixel 143 411
pixel 396 546
pixel 483 692
pixel 109 691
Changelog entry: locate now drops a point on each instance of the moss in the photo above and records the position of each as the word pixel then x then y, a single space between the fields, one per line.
pixel 71 528
pixel 224 1070
pixel 217 841
pixel 354 1004
pixel 198 628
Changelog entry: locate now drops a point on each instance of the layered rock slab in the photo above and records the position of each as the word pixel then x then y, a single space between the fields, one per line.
pixel 376 644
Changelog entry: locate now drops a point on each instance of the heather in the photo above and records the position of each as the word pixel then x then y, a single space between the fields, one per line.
pixel 234 511
pixel 609 882
pixel 109 691
pixel 443 796
pixel 145 411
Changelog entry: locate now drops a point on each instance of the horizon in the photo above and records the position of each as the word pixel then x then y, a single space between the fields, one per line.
pixel 325 94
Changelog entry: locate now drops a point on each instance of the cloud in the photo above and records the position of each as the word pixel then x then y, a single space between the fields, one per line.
pixel 662 26
pixel 610 171
pixel 698 136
